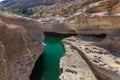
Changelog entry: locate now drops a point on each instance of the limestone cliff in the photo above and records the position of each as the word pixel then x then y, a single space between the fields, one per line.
pixel 20 46
pixel 96 18
pixel 98 43
pixel 73 66
pixel 102 57
pixel 56 25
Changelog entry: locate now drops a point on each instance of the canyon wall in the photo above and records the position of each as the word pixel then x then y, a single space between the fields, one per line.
pixel 20 46
pixel 56 25
pixel 92 55
pixel 97 18
pixel 102 57
pixel 97 43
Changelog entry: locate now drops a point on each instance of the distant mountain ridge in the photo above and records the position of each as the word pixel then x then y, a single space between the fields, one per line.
pixel 29 3
pixel 48 7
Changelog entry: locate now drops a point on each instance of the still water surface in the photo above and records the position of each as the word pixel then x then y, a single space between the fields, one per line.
pixel 47 66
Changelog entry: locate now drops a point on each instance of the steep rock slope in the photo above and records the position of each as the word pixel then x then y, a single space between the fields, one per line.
pixel 20 46
pixel 31 3
pixel 73 66
pixel 98 41
pixel 56 25
pixel 26 3
pixel 96 18
pixel 63 8
pixel 103 61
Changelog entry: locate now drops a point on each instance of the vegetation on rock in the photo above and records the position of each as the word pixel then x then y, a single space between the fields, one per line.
pixel 23 12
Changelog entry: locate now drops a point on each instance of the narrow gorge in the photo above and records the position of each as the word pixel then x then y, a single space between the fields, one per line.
pixel 84 45
pixel 47 66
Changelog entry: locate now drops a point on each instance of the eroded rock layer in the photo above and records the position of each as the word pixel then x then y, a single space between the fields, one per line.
pixel 98 41
pixel 96 18
pixel 73 66
pixel 103 57
pixel 56 25
pixel 20 46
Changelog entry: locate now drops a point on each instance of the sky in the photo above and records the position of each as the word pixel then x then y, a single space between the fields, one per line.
pixel 1 0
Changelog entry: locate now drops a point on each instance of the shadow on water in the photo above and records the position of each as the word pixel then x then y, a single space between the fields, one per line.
pixel 38 68
pixel 47 66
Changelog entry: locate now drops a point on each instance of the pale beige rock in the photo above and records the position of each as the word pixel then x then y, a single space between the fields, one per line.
pixel 73 66
pixel 102 54
pixel 104 63
pixel 32 26
pixel 116 9
pixel 56 25
pixel 96 18
pixel 20 46
pixel 94 24
pixel 101 6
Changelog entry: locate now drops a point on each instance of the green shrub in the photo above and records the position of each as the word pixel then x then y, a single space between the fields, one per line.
pixel 93 1
pixel 24 12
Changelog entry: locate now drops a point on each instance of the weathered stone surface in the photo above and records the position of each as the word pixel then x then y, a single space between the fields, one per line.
pixel 116 9
pixel 111 43
pixel 56 25
pixel 101 54
pixel 32 26
pixel 73 66
pixel 94 24
pixel 97 18
pixel 104 61
pixel 101 6
pixel 20 46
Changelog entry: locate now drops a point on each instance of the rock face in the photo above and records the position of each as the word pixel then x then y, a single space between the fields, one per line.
pixel 20 46
pixel 100 19
pixel 100 56
pixel 56 25
pixel 73 66
pixel 96 18
pixel 116 9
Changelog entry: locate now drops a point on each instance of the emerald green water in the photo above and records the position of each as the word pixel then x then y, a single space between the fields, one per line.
pixel 47 66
